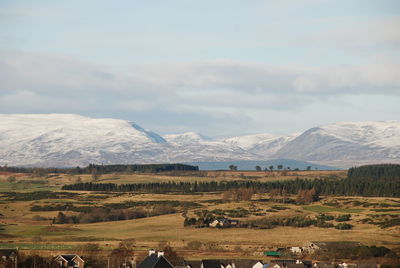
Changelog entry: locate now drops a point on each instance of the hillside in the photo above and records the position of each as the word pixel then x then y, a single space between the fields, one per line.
pixel 71 140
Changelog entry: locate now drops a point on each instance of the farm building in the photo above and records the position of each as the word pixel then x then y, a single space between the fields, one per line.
pixel 238 263
pixel 276 254
pixel 155 260
pixel 224 223
pixel 212 264
pixel 69 261
pixel 289 263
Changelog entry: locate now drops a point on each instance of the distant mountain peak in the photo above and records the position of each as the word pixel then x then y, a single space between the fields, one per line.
pixel 71 140
pixel 186 137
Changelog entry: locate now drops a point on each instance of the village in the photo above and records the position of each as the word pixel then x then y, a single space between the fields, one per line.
pixel 222 220
pixel 289 257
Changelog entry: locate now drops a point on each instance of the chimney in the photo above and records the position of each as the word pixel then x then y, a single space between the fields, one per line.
pixel 152 251
pixel 160 253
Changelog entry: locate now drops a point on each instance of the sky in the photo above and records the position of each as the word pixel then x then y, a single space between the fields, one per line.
pixel 220 68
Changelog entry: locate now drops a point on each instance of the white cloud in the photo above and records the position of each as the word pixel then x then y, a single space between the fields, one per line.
pixel 355 34
pixel 27 101
pixel 215 85
pixel 214 76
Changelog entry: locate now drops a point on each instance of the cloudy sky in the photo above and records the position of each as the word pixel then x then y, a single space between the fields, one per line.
pixel 220 67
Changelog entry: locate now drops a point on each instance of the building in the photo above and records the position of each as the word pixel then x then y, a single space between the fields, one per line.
pixel 212 264
pixel 155 260
pixel 290 263
pixel 296 250
pixel 276 254
pixel 324 265
pixel 224 223
pixel 237 263
pixel 70 261
pixel 8 256
pixel 331 245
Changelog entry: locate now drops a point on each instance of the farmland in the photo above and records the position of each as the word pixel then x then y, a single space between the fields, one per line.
pixel 30 214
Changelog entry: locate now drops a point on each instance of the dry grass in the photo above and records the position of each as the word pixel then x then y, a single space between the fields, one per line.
pixel 169 228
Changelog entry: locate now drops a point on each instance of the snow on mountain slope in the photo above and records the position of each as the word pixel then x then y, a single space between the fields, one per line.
pixel 248 141
pixel 263 145
pixel 267 148
pixel 191 145
pixel 186 138
pixel 73 130
pixel 70 140
pixel 383 133
pixel 35 138
pixel 346 143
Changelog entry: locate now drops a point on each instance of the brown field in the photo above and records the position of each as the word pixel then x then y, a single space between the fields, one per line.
pixel 20 228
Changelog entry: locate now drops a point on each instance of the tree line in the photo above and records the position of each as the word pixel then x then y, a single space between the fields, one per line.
pixel 377 172
pixel 103 169
pixel 370 180
pixel 360 185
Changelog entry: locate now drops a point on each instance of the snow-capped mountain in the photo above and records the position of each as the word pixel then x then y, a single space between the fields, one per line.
pixel 249 141
pixel 265 145
pixel 196 147
pixel 66 139
pixel 70 140
pixel 346 143
pixel 186 138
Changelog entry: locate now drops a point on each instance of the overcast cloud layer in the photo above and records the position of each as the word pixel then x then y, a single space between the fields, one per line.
pixel 270 73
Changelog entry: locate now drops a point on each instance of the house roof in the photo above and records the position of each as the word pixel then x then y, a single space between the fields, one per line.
pixel 284 261
pixel 325 265
pixel 70 257
pixel 211 263
pixel 153 261
pixel 272 253
pixel 193 264
pixel 245 263
pixel 367 265
pixel 295 265
pixel 239 263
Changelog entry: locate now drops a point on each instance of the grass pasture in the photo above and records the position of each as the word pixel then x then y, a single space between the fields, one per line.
pixel 324 209
pixel 34 230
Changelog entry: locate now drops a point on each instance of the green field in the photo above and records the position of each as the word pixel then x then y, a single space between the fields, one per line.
pixel 323 209
pixel 44 246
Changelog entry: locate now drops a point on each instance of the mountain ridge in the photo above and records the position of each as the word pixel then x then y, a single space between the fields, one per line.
pixel 71 140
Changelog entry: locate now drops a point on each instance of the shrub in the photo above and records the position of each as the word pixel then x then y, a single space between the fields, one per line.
pixel 325 217
pixel 279 208
pixel 344 226
pixel 324 224
pixel 11 179
pixel 344 217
